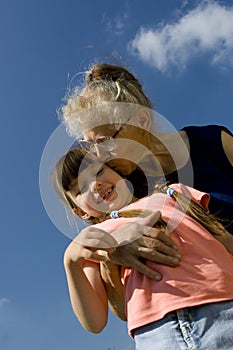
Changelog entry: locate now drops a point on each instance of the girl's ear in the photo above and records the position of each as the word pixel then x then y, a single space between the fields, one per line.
pixel 143 118
pixel 80 213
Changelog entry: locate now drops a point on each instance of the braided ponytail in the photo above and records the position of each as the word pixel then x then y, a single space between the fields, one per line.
pixel 134 213
pixel 194 210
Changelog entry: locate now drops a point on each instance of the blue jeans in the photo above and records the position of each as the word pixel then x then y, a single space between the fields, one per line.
pixel 205 327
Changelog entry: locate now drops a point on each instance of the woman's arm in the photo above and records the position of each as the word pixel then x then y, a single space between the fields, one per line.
pixel 226 239
pixel 111 277
pixel 87 292
pixel 227 142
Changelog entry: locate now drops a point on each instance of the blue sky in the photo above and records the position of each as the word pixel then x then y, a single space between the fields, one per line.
pixel 182 51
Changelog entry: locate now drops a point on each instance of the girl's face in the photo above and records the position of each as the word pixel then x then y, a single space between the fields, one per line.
pixel 99 189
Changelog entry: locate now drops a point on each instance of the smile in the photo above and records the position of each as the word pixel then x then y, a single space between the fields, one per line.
pixel 105 195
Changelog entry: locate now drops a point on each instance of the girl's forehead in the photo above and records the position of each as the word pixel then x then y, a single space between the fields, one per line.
pixel 89 161
pixel 92 168
pixel 86 174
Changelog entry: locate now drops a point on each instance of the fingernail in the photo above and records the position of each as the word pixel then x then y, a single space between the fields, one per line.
pixel 158 277
pixel 178 256
pixel 175 247
pixel 175 261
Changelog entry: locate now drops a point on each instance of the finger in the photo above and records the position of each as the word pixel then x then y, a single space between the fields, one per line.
pixel 128 233
pixel 156 245
pixel 98 257
pixel 97 238
pixel 94 243
pixel 90 254
pixel 140 267
pixel 161 236
pixel 158 257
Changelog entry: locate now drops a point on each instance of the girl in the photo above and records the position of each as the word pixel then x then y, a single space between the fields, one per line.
pixel 191 307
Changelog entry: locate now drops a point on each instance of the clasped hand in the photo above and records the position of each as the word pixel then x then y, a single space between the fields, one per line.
pixel 132 243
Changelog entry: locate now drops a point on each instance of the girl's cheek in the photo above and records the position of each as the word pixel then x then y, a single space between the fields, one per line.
pixel 81 201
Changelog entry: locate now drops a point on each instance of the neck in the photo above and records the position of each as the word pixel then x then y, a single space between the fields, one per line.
pixel 171 150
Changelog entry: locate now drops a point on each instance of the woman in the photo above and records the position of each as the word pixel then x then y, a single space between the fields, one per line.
pixel 115 117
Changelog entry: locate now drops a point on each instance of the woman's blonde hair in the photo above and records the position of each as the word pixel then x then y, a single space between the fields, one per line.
pixel 103 83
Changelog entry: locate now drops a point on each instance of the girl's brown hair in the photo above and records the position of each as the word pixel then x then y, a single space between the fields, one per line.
pixel 66 170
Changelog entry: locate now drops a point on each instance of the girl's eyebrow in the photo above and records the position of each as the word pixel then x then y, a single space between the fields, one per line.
pixel 94 169
pixel 76 193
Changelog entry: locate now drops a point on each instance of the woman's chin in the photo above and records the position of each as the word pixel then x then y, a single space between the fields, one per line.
pixel 123 166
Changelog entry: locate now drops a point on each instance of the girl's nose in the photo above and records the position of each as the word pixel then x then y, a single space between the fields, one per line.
pixel 96 186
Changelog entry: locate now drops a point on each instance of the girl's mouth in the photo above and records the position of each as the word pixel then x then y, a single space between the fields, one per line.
pixel 105 195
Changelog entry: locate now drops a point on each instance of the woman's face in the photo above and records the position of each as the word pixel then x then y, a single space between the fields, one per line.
pixel 99 189
pixel 125 148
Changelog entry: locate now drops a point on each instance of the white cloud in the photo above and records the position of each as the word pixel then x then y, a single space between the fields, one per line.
pixel 207 29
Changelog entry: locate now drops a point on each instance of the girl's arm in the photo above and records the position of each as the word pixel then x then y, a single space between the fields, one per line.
pixel 87 292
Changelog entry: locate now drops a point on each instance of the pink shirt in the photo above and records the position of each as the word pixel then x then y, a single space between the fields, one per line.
pixel 204 275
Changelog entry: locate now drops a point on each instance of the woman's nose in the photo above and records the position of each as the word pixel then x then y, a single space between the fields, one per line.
pixel 102 152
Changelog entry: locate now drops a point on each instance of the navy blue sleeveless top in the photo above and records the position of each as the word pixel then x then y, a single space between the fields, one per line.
pixel 212 171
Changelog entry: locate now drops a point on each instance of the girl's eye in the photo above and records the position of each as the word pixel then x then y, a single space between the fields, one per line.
pixel 100 171
pixel 83 189
pixel 76 194
pixel 80 191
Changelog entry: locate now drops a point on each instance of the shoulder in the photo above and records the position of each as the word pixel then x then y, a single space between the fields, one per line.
pixel 199 197
pixel 227 143
pixel 210 136
pixel 205 130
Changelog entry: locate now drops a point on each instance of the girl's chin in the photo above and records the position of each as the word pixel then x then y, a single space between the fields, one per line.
pixel 116 203
pixel 106 208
